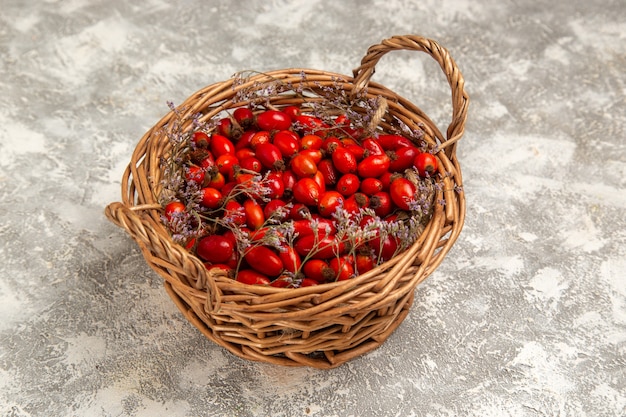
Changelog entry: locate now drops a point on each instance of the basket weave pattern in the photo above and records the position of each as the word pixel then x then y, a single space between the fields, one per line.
pixel 321 326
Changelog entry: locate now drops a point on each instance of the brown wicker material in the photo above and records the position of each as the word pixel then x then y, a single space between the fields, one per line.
pixel 321 326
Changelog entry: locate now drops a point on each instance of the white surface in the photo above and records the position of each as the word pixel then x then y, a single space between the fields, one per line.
pixel 525 317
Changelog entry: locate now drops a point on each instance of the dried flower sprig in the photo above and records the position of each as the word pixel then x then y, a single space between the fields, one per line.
pixel 322 100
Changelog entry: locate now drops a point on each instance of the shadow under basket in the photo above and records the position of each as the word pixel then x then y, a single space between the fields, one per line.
pixel 320 326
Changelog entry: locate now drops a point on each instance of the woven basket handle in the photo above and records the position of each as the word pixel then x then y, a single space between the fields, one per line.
pixel 130 220
pixel 460 99
pixel 154 246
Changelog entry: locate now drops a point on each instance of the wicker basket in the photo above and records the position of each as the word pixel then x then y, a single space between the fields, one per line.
pixel 321 326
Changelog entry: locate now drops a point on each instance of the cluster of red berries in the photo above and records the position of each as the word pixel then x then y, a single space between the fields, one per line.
pixel 282 197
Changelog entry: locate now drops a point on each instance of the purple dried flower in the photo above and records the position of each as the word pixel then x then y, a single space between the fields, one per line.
pixel 181 226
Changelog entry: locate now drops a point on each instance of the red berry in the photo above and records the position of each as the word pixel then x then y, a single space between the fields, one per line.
pixel 348 184
pixel 311 142
pixel 402 192
pixel 318 270
pixel 272 208
pixel 255 218
pixel 264 260
pixel 287 142
pixel 200 139
pixel 211 197
pixel 344 161
pixel 221 145
pixel 194 173
pixel 215 249
pixel 426 164
pixel 244 117
pixel 292 112
pixel 402 158
pixel 371 186
pixel 307 191
pixel 329 202
pixel 172 208
pixel 342 267
pixel 373 166
pixel 251 277
pixel 273 120
pixel 303 166
pixel 270 156
pixel 381 204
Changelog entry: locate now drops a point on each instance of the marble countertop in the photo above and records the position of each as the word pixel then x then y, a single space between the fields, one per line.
pixel 525 317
